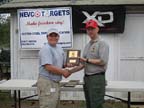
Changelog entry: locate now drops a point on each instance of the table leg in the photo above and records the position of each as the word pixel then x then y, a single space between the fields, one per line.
pixel 19 99
pixel 1 72
pixel 15 98
pixel 129 99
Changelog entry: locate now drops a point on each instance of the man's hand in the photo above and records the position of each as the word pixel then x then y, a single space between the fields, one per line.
pixel 66 73
pixel 82 59
pixel 69 65
pixel 75 68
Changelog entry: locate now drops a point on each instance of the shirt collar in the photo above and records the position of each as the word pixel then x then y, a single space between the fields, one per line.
pixel 94 41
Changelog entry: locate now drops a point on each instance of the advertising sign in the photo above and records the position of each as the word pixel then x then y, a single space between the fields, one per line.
pixel 33 25
pixel 111 19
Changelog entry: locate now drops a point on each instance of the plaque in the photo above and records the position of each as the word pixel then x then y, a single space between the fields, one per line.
pixel 73 56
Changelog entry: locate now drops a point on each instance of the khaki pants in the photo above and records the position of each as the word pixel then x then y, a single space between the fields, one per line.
pixel 48 92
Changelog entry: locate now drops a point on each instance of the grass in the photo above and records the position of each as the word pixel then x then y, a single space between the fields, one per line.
pixel 6 101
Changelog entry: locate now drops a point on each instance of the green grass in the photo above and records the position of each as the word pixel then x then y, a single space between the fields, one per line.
pixel 114 104
pixel 6 101
pixel 81 104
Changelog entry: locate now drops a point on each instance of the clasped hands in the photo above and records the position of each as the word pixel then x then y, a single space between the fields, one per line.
pixel 70 68
pixel 66 70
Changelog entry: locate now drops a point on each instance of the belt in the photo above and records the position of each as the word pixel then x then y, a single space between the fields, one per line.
pixel 48 79
pixel 101 73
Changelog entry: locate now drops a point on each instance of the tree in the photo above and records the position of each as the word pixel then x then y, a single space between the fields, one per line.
pixel 4 31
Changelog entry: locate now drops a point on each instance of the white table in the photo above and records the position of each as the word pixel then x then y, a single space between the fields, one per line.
pixel 112 86
pixel 17 85
pixel 116 86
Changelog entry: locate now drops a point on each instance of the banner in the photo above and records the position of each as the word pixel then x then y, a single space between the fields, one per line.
pixel 33 25
pixel 111 19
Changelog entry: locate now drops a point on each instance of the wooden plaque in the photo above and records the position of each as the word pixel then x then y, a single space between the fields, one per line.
pixel 73 56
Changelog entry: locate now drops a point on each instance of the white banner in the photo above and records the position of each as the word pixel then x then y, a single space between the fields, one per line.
pixel 34 24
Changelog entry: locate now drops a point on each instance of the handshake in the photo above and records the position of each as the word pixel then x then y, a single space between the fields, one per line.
pixel 67 71
pixel 70 68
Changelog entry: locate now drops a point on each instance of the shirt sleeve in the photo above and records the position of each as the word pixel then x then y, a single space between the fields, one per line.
pixel 104 52
pixel 45 56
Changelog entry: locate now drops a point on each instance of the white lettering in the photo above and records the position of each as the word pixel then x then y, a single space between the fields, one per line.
pixel 100 20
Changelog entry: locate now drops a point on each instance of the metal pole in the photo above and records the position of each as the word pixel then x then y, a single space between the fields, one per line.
pixel 129 99
pixel 15 99
pixel 19 99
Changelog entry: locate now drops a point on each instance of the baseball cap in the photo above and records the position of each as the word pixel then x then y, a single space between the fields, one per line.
pixel 91 23
pixel 52 30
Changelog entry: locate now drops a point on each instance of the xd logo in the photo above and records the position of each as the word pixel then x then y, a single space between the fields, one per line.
pixel 100 20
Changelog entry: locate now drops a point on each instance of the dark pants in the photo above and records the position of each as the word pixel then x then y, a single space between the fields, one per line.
pixel 94 89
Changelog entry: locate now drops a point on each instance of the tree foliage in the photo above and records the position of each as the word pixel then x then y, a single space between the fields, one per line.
pixel 4 31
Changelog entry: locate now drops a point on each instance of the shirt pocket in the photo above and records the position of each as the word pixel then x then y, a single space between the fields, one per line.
pixel 94 54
